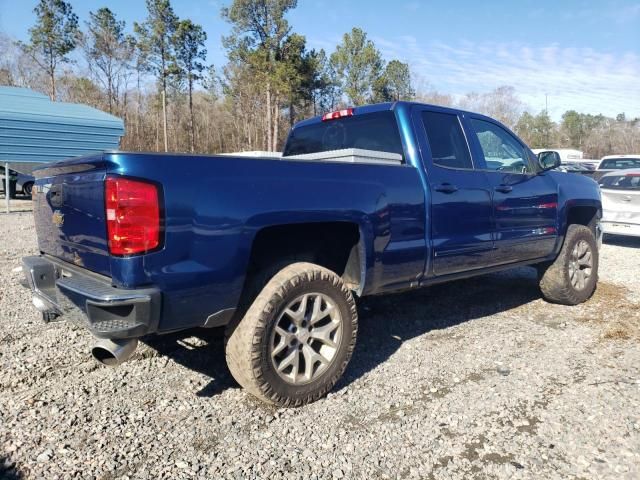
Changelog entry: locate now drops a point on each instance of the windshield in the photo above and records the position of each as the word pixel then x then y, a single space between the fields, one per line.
pixel 371 131
pixel 619 163
pixel 630 181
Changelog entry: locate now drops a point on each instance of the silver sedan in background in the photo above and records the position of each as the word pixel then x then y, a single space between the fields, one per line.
pixel 621 202
pixel 24 182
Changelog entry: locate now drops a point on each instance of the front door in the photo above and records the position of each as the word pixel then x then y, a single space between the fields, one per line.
pixel 461 213
pixel 525 202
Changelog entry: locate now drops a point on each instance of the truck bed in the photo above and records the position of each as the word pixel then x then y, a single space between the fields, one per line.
pixel 214 206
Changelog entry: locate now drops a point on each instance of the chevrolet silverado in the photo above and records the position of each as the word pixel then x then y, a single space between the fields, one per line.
pixel 366 200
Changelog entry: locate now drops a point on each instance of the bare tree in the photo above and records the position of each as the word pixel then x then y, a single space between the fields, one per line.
pixel 502 104
pixel 108 51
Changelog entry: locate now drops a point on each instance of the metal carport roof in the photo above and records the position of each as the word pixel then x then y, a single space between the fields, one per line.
pixel 34 130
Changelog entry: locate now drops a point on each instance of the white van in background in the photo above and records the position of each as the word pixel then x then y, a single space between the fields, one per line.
pixel 566 154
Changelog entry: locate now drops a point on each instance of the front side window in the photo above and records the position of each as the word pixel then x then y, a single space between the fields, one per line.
pixel 448 146
pixel 502 152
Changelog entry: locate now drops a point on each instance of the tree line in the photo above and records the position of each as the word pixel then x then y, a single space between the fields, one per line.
pixel 156 77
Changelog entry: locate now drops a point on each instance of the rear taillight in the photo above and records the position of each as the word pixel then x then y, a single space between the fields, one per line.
pixel 133 216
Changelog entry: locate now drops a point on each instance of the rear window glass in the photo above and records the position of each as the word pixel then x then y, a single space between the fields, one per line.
pixel 372 131
pixel 621 182
pixel 619 163
pixel 446 140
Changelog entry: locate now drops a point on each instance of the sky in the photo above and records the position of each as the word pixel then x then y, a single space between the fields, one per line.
pixel 574 54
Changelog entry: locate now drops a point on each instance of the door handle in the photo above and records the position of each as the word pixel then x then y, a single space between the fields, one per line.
pixel 446 188
pixel 504 189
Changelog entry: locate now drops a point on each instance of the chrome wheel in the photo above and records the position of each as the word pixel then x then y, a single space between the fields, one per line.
pixel 580 265
pixel 306 337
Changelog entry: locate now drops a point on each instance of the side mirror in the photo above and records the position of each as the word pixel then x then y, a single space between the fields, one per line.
pixel 549 160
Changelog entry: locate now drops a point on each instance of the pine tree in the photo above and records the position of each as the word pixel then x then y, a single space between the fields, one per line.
pixel 154 39
pixel 259 33
pixel 358 66
pixel 395 83
pixel 52 38
pixel 190 54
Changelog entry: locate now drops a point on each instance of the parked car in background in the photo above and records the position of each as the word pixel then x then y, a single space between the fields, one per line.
pixel 574 167
pixel 621 202
pixel 589 163
pixel 365 200
pixel 23 183
pixel 611 163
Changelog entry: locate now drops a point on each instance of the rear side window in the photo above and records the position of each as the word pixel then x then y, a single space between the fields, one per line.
pixel 619 163
pixel 371 131
pixel 621 182
pixel 448 146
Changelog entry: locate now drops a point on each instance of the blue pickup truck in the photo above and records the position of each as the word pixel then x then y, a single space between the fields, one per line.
pixel 364 201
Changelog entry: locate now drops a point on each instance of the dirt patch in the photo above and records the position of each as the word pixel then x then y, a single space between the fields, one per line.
pixel 611 308
pixel 530 425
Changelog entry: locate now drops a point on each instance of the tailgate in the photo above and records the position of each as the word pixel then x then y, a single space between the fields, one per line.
pixel 69 210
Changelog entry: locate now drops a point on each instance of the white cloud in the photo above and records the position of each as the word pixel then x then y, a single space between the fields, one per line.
pixel 583 79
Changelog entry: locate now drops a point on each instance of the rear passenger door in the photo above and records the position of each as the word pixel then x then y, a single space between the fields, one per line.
pixel 461 213
pixel 525 203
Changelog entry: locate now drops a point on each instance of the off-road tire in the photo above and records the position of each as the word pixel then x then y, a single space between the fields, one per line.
pixel 555 280
pixel 27 189
pixel 247 341
pixel 48 317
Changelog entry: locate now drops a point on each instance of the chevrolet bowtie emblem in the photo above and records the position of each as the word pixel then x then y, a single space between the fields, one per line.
pixel 58 218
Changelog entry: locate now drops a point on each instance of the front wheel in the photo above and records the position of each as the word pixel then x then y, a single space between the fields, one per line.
pixel 571 279
pixel 296 339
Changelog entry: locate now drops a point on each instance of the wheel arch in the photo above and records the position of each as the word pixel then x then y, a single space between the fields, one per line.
pixel 587 214
pixel 338 245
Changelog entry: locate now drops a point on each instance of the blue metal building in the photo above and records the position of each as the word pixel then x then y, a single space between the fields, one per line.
pixel 34 130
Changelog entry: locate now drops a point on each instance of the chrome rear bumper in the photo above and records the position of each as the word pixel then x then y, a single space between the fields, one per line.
pixel 91 300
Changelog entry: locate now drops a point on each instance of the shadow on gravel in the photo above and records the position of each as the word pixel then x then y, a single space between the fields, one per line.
pixel 8 470
pixel 385 322
pixel 206 357
pixel 622 241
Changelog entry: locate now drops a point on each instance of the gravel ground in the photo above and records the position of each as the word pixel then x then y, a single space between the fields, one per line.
pixel 473 379
pixel 18 204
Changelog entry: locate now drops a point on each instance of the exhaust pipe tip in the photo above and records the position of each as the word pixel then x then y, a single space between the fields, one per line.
pixel 114 352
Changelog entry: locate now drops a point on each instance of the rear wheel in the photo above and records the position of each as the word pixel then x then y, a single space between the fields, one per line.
pixel 48 317
pixel 27 188
pixel 571 279
pixel 296 339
